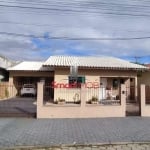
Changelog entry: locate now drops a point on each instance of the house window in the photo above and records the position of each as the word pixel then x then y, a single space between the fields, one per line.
pixel 76 81
pixel 121 81
pixel 131 79
pixel 115 83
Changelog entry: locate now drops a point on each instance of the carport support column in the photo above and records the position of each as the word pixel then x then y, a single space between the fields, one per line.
pixel 11 88
pixel 136 89
pixel 39 96
pixel 142 99
pixel 123 99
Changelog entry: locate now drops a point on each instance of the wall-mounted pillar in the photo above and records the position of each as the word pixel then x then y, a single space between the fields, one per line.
pixel 123 98
pixel 40 97
pixel 142 100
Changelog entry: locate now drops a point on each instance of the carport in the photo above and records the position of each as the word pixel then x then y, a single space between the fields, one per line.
pixel 24 73
pixel 19 81
pixel 29 73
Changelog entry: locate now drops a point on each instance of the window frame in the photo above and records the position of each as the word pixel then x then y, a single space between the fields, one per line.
pixel 76 79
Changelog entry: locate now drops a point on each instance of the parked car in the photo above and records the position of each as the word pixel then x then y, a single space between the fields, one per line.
pixel 29 89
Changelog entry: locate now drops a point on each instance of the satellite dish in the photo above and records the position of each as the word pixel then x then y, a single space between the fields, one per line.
pixel 1 77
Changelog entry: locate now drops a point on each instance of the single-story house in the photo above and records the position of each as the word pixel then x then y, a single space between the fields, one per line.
pixel 106 72
pixel 78 82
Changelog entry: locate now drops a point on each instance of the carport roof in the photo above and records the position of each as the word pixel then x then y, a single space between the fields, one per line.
pixel 29 66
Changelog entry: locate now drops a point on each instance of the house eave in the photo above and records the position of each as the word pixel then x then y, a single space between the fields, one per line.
pixel 95 67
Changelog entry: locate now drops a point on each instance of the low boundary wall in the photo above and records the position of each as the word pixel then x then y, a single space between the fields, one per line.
pixel 81 111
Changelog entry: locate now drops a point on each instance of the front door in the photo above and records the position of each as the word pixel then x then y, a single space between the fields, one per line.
pixel 103 84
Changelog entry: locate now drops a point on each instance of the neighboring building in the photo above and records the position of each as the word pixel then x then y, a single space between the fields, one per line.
pixel 4 64
pixel 144 77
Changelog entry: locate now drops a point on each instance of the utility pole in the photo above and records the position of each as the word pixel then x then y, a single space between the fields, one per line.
pixel 136 59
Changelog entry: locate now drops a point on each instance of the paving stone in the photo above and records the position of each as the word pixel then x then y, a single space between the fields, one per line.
pixel 126 148
pixel 111 148
pixel 102 148
pixel 95 148
pixel 46 132
pixel 72 148
pixel 87 148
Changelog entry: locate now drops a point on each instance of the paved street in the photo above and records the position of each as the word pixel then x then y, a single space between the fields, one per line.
pixel 44 132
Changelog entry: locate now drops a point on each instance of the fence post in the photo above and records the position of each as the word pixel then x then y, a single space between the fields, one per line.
pixel 123 98
pixel 40 95
pixel 142 99
pixel 83 95
pixel 136 89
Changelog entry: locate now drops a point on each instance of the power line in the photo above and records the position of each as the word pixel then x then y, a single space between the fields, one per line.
pixel 60 26
pixel 78 3
pixel 70 12
pixel 74 11
pixel 75 39
pixel 25 24
pixel 86 5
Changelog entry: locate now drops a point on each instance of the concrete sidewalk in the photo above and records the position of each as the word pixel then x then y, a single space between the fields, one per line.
pixel 46 132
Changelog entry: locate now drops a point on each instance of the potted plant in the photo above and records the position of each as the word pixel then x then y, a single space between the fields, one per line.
pixel 60 101
pixel 94 100
pixel 78 102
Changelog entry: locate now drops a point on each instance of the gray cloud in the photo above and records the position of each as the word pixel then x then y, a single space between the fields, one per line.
pixel 75 25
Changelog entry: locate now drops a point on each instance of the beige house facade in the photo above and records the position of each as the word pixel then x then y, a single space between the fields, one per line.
pixel 99 78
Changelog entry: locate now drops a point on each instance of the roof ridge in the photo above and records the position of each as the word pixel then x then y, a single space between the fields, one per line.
pixel 86 56
pixel 33 61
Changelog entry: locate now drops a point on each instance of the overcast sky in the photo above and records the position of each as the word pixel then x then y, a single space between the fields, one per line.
pixel 85 19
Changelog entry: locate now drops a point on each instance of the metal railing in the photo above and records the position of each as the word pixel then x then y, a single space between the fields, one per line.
pixel 147 94
pixel 131 94
pixel 103 96
pixel 48 92
pixel 100 95
pixel 62 95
